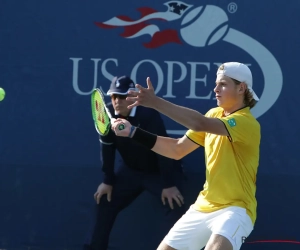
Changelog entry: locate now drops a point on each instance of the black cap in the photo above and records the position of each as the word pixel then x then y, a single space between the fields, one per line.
pixel 121 85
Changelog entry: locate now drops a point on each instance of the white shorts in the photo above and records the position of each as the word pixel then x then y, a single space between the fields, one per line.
pixel 193 230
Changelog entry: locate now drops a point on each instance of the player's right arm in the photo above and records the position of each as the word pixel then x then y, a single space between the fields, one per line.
pixel 174 148
pixel 168 147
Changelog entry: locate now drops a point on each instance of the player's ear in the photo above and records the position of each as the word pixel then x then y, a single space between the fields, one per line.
pixel 242 87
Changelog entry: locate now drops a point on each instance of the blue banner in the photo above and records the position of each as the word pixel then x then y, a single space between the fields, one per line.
pixel 52 54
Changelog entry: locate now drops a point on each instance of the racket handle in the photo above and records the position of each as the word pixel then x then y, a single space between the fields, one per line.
pixel 121 126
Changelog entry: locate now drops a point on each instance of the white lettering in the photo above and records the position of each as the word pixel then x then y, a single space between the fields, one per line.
pixel 170 76
pixel 76 73
pixel 194 80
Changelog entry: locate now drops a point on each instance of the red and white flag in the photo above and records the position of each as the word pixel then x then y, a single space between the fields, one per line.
pixel 142 26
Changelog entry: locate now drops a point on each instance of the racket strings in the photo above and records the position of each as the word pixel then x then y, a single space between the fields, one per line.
pixel 100 116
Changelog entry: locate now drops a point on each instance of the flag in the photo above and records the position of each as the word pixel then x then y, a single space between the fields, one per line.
pixel 143 26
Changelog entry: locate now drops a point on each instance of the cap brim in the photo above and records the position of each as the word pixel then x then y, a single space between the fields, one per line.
pixel 116 92
pixel 111 92
pixel 255 97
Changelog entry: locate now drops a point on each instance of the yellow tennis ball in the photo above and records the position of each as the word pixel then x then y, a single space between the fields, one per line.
pixel 2 94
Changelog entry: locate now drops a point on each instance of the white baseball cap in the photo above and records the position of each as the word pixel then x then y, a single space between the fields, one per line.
pixel 239 72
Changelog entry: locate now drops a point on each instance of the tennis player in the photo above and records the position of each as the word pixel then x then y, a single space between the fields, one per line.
pixel 137 170
pixel 225 210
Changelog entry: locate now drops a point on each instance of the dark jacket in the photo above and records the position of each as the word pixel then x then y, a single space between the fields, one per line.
pixel 135 155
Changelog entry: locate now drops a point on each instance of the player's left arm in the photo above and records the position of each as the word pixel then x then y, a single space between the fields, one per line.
pixel 190 118
pixel 213 126
pixel 187 117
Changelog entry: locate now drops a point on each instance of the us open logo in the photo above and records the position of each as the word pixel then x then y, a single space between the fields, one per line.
pixel 194 26
pixel 202 26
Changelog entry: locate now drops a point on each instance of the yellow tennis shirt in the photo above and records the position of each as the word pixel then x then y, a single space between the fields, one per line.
pixel 231 162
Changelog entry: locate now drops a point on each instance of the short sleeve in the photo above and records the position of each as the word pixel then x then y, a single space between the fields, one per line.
pixel 238 127
pixel 197 137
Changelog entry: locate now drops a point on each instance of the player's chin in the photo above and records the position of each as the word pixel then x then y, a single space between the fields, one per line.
pixel 120 111
pixel 123 113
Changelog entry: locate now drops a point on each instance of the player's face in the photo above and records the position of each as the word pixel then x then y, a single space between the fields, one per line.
pixel 226 92
pixel 120 104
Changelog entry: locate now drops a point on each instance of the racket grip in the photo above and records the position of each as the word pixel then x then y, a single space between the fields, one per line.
pixel 121 126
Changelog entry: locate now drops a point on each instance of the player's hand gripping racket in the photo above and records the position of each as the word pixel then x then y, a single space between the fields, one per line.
pixel 101 115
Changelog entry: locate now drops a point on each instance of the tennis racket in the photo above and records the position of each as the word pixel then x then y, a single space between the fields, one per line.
pixel 101 115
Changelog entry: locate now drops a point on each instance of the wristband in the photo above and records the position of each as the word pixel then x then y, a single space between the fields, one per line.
pixel 131 131
pixel 145 138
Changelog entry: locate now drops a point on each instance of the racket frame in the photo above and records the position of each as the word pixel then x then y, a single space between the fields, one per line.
pixel 121 126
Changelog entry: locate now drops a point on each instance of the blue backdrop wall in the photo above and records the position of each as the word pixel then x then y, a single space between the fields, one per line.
pixel 53 53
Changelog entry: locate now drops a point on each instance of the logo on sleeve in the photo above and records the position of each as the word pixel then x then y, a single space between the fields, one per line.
pixel 231 122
